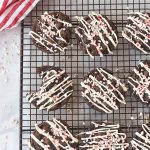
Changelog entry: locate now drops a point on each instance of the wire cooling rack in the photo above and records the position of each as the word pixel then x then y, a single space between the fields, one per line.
pixel 76 113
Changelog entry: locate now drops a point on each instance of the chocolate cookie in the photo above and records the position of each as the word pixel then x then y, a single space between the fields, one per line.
pixel 96 35
pixel 139 82
pixel 103 136
pixel 141 141
pixel 137 31
pixel 56 89
pixel 102 91
pixel 52 135
pixel 51 32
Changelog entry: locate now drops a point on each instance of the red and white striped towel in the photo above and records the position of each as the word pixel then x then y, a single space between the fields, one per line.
pixel 12 12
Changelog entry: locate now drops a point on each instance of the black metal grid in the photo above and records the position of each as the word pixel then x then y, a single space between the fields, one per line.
pixel 76 113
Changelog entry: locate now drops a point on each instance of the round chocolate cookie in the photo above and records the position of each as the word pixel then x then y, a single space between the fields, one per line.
pixel 137 31
pixel 103 136
pixel 141 141
pixel 102 91
pixel 139 82
pixel 55 91
pixel 52 135
pixel 96 35
pixel 52 32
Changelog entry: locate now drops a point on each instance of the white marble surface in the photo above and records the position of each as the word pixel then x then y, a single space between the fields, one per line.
pixel 9 89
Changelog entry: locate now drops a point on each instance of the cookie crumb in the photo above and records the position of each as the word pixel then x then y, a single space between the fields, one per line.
pixel 133 118
pixel 69 110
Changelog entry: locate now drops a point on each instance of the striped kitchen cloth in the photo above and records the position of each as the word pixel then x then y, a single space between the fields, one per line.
pixel 12 12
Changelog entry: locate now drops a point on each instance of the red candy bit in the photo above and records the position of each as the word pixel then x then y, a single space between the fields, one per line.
pixel 110 29
pixel 99 144
pixel 58 77
pixel 142 88
pixel 55 97
pixel 93 85
pixel 46 14
pixel 148 36
pixel 110 87
pixel 97 147
pixel 75 147
pixel 99 17
pixel 148 21
pixel 93 34
pixel 138 44
pixel 65 136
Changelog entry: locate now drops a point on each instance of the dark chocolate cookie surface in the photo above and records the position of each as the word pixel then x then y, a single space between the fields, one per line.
pixel 103 136
pixel 51 32
pixel 96 35
pixel 137 31
pixel 56 89
pixel 139 82
pixel 141 141
pixel 52 135
pixel 102 91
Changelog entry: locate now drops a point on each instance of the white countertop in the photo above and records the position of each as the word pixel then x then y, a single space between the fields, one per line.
pixel 9 89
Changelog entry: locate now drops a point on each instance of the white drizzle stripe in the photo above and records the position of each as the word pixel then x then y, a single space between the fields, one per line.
pixel 104 137
pixel 42 132
pixel 142 21
pixel 48 75
pixel 69 134
pixel 40 39
pixel 142 139
pixel 93 28
pixel 54 89
pixel 44 96
pixel 102 87
pixel 142 15
pixel 39 142
pixel 101 106
pixel 137 37
pixel 61 99
pixel 130 40
pixel 137 22
pixel 47 33
pixel 113 33
pixel 105 99
pixel 61 21
pixel 140 85
pixel 101 71
pixel 29 144
pixel 113 77
pixel 59 130
pixel 49 98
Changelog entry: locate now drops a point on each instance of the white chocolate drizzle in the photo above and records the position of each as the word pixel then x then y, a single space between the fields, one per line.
pixel 142 139
pixel 141 85
pixel 61 138
pixel 104 137
pixel 47 34
pixel 137 31
pixel 98 26
pixel 105 98
pixel 52 92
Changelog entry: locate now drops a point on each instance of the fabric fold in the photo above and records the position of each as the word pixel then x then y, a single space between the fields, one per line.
pixel 12 12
